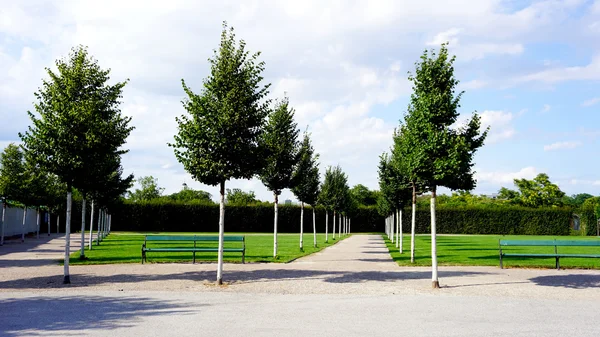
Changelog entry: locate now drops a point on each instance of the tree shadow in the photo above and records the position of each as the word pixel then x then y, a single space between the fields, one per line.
pixel 28 263
pixel 572 281
pixel 72 315
pixel 233 276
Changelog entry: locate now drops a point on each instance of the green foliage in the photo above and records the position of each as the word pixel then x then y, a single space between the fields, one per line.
pixel 12 174
pixel 364 196
pixel 335 190
pixel 305 178
pixel 237 197
pixel 80 126
pixel 219 138
pixel 443 155
pixel 148 190
pixel 280 141
pixel 539 192
pixel 503 220
pixel 190 195
pixel 394 186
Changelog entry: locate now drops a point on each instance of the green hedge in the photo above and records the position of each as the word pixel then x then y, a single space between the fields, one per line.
pixel 505 220
pixel 178 217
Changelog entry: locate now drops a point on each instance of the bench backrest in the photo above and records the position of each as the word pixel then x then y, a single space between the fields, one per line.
pixel 574 243
pixel 205 238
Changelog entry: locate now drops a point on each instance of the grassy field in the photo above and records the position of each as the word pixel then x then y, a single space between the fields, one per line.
pixel 125 247
pixel 482 250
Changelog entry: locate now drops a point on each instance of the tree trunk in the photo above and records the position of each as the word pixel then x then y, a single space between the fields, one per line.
pixel 57 223
pixel 23 227
pixel 49 222
pixel 398 229
pixel 333 225
pixel 301 225
pixel 434 264
pixel 393 228
pixel 2 229
pixel 340 226
pixel 413 224
pixel 350 226
pixel 37 223
pixel 91 225
pixel 275 226
pixel 221 235
pixel 326 226
pixel 100 211
pixel 67 277
pixel 401 239
pixel 314 228
pixel 82 252
pixel 109 223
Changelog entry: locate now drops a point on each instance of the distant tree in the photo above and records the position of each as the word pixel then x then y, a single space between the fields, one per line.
pixel 446 153
pixel 148 190
pixel 334 192
pixel 363 195
pixel 395 189
pixel 188 195
pixel 538 192
pixel 305 181
pixel 579 199
pixel 280 141
pixel 326 199
pixel 12 179
pixel 78 125
pixel 219 138
pixel 237 197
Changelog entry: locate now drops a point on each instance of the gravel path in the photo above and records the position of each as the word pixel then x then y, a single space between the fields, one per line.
pixel 357 265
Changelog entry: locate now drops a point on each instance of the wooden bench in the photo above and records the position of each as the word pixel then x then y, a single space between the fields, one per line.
pixel 168 240
pixel 548 243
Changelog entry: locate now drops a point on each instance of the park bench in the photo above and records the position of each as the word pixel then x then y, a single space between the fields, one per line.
pixel 548 243
pixel 177 243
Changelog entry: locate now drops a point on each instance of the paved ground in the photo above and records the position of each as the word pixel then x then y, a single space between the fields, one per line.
pixel 350 289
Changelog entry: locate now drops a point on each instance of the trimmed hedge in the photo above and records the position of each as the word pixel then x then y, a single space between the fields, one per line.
pixel 506 220
pixel 178 217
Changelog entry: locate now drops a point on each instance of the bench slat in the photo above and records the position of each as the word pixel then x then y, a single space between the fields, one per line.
pixel 170 237
pixel 560 243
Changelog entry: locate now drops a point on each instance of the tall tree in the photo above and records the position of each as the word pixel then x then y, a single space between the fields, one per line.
pixel 190 195
pixel 238 197
pixel 364 196
pixel 305 180
pixel 219 138
pixel 149 189
pixel 395 189
pixel 280 142
pixel 447 152
pixel 78 124
pixel 12 179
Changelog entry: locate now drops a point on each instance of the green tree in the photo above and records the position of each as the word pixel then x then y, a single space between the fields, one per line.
pixel 395 193
pixel 539 192
pixel 79 125
pixel 364 196
pixel 190 195
pixel 334 192
pixel 237 197
pixel 219 138
pixel 280 141
pixel 305 180
pixel 12 179
pixel 446 153
pixel 148 190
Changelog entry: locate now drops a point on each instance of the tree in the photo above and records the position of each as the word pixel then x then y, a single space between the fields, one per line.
pixel 280 141
pixel 219 138
pixel 447 152
pixel 12 176
pixel 78 125
pixel 237 197
pixel 190 195
pixel 395 190
pixel 334 191
pixel 305 180
pixel 326 199
pixel 538 192
pixel 148 190
pixel 364 196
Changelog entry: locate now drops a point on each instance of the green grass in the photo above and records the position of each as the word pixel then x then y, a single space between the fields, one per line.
pixel 482 250
pixel 125 247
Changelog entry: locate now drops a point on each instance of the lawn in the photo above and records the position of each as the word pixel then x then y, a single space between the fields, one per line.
pixel 482 250
pixel 125 247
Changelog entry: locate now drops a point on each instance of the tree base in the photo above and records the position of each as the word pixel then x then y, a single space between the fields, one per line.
pixel 83 257
pixel 67 279
pixel 435 284
pixel 220 282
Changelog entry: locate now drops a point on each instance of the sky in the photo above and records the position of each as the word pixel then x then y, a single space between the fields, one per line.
pixel 531 69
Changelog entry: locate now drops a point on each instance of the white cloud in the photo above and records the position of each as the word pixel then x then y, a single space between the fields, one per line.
pixel 562 145
pixel 591 101
pixel 499 178
pixel 555 75
pixel 450 36
pixel 500 123
pixel 473 84
pixel 546 108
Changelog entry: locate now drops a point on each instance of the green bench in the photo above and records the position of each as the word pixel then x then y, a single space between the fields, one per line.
pixel 548 243
pixel 169 243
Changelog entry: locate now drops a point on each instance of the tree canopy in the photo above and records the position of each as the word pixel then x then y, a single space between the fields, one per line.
pixel 537 192
pixel 305 178
pixel 148 190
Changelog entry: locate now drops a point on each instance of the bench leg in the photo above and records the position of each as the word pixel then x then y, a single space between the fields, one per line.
pixel 143 256
pixel 194 258
pixel 501 266
pixel 558 263
pixel 243 257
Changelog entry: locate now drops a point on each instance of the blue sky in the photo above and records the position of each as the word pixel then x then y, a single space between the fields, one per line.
pixel 530 68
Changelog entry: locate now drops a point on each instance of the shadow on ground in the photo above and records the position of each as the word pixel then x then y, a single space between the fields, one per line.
pixel 573 281
pixel 235 277
pixel 72 315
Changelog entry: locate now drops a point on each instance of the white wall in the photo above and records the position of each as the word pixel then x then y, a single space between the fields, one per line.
pixel 14 221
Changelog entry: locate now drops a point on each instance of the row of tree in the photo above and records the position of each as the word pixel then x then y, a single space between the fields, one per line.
pixel 429 149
